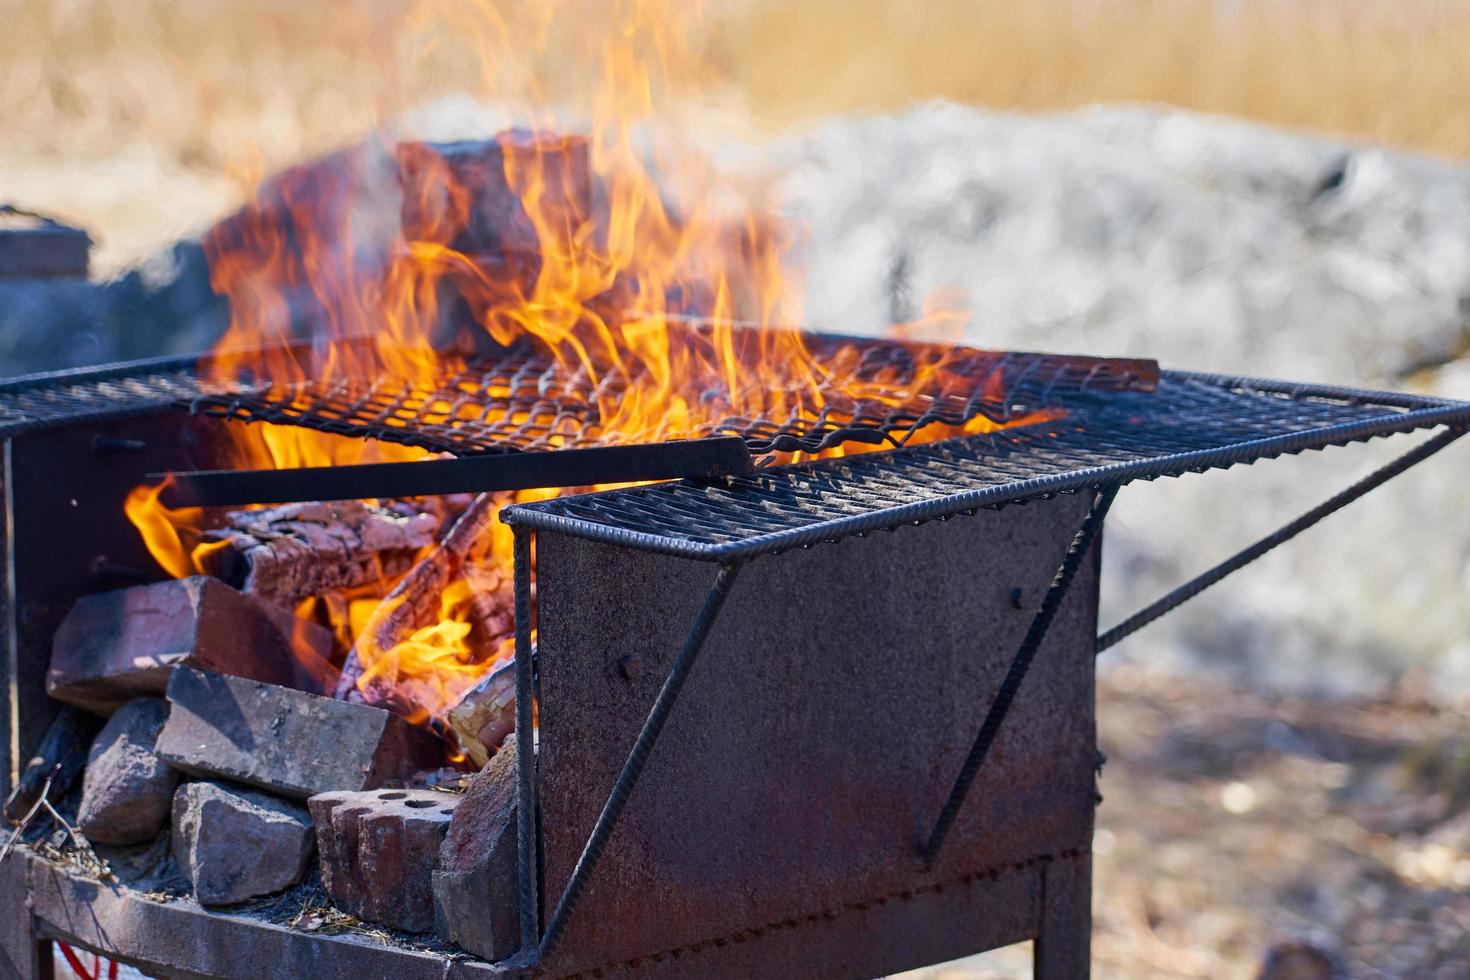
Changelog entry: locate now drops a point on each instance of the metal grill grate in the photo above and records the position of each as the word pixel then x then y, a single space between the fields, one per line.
pixel 1118 428
pixel 524 400
pixel 41 401
pixel 1192 423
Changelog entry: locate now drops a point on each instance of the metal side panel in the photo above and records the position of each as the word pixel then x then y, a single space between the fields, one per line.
pixel 67 535
pixel 9 665
pixel 813 746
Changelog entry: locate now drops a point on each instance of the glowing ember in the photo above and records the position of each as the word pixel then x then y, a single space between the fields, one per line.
pixel 566 243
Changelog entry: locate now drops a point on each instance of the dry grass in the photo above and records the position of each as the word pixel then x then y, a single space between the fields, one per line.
pixel 145 120
pixel 1392 71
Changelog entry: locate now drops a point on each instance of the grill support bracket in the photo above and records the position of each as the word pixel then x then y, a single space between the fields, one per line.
pixel 627 780
pixel 1281 535
pixel 1005 696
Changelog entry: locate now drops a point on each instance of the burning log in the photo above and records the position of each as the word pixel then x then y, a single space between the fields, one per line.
pixel 116 646
pixel 415 602
pixel 486 715
pixel 285 741
pixel 287 553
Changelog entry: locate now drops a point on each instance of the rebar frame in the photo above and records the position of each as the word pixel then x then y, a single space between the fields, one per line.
pixel 534 952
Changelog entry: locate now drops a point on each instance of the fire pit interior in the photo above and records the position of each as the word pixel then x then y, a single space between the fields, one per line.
pixel 384 656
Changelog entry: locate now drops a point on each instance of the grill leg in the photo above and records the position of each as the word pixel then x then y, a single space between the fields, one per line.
pixel 1063 948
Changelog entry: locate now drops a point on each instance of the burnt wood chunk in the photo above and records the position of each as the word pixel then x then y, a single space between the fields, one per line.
pixel 286 741
pixel 468 194
pixel 60 758
pixel 476 887
pixel 234 844
pixel 415 601
pixel 378 852
pixel 116 646
pixel 486 715
pixel 287 553
pixel 127 790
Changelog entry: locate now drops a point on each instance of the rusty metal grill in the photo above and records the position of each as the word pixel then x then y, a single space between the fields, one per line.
pixel 1191 423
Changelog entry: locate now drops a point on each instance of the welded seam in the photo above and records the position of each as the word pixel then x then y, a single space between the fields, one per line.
pixel 968 879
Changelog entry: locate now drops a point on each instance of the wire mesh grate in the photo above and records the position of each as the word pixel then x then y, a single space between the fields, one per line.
pixel 1191 423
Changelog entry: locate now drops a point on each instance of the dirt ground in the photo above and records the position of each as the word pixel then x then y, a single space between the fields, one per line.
pixel 1233 820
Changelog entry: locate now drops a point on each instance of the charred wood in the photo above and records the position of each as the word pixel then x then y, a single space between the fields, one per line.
pixel 58 761
pixel 287 553
pixel 486 715
pixel 415 602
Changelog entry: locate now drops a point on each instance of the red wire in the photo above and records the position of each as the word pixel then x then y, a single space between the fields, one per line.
pixel 74 963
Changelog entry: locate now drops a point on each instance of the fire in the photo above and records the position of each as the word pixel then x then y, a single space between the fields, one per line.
pixel 618 253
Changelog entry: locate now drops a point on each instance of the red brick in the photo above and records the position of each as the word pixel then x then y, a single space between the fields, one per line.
pixel 289 742
pixel 116 646
pixel 379 850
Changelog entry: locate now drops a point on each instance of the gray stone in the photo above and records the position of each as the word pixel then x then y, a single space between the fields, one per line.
pixel 127 789
pixel 476 886
pixel 379 850
pixel 115 646
pixel 1212 244
pixel 235 844
pixel 286 741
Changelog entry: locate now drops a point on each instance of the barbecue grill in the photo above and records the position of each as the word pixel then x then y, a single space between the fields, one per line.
pixel 975 830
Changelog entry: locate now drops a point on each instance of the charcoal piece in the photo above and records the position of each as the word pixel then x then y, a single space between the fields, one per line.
pixel 127 790
pixel 60 757
pixel 476 891
pixel 233 844
pixel 285 741
pixel 116 646
pixel 379 850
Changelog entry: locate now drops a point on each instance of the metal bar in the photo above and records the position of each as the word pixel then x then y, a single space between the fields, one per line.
pixel 686 458
pixel 627 779
pixel 1005 695
pixel 526 863
pixel 1283 534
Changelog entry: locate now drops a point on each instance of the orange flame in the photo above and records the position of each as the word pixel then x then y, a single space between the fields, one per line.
pixel 598 249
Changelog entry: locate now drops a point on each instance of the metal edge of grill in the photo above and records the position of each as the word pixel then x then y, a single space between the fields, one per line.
pixel 780 508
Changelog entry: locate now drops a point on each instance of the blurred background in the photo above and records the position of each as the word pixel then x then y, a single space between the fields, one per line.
pixel 1273 187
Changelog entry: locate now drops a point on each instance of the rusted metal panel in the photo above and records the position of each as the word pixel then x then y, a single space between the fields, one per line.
pixel 18 959
pixel 176 938
pixel 815 740
pixel 68 536
pixel 9 661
